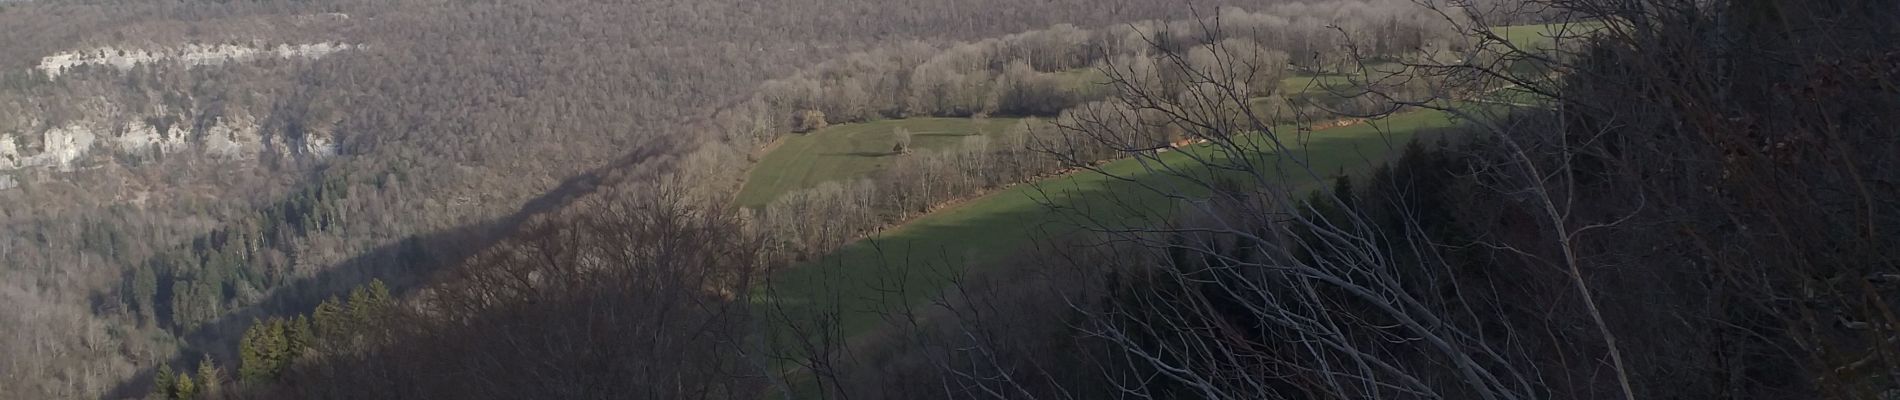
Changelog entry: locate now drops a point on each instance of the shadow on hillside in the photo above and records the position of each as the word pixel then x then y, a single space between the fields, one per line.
pixel 403 266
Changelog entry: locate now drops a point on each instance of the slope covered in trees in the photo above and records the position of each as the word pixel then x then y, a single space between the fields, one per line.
pixel 1690 201
pixel 1686 211
pixel 449 122
pixel 770 252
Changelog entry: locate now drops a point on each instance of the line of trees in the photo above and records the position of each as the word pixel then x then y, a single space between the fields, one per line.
pixel 179 385
pixel 1045 71
pixel 271 346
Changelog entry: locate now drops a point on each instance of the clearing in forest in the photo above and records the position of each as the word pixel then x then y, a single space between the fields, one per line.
pixel 851 151
pixel 1544 37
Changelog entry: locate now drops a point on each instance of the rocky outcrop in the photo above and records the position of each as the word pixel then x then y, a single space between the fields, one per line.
pixel 62 148
pixel 88 130
pixel 191 55
pixel 88 142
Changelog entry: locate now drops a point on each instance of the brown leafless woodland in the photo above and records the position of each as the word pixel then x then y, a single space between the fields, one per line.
pixel 1687 199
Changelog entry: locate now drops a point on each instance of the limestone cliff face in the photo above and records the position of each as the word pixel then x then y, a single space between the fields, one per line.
pixel 60 148
pixel 189 55
pixel 77 144
pixel 92 130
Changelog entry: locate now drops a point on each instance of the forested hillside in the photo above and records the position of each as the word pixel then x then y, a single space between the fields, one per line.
pixel 440 124
pixel 1498 199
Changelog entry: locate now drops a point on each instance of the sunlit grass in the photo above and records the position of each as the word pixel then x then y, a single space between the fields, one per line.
pixel 1545 37
pixel 850 151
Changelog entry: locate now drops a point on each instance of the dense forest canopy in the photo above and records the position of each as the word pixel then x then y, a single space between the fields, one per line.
pixel 1493 199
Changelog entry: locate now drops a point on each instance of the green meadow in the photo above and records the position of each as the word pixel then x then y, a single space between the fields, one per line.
pixel 910 263
pixel 850 151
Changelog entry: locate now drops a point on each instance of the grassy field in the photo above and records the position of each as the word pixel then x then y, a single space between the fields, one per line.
pixel 1307 84
pixel 851 151
pixel 1304 82
pixel 922 256
pixel 1544 36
